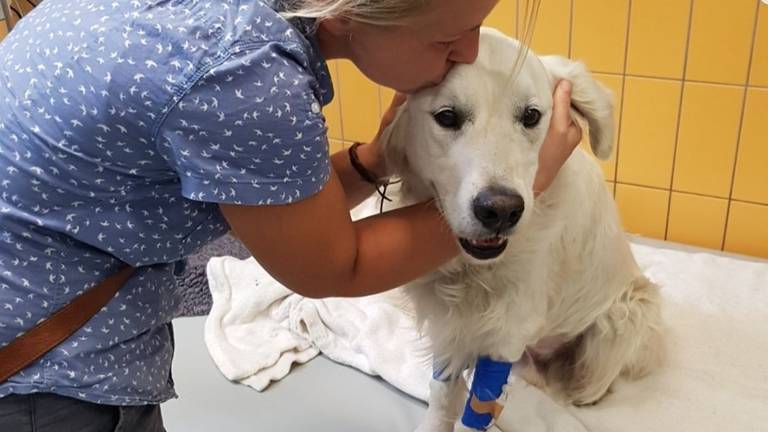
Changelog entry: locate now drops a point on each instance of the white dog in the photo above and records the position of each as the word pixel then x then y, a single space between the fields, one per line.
pixel 548 283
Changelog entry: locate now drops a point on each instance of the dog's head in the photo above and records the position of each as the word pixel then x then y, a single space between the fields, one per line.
pixel 473 141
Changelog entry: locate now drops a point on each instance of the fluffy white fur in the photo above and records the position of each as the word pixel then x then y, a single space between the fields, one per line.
pixel 565 299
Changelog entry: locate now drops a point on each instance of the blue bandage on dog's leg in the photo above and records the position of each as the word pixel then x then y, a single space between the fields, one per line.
pixel 487 385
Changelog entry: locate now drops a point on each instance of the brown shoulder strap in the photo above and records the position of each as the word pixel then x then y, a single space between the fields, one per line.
pixel 56 329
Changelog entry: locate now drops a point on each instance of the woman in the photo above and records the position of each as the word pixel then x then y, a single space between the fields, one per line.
pixel 136 132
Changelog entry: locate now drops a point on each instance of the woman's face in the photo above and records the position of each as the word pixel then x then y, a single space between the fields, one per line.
pixel 420 53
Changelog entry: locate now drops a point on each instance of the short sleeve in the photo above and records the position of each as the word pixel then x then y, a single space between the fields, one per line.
pixel 250 131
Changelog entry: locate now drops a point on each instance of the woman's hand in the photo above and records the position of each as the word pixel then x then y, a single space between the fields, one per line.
pixel 371 154
pixel 563 137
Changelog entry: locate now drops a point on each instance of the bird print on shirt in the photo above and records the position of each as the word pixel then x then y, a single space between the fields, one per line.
pixel 128 122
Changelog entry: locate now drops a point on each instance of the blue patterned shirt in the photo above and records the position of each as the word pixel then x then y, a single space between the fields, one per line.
pixel 122 125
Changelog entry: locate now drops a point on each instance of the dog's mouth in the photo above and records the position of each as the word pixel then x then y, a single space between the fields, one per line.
pixel 484 249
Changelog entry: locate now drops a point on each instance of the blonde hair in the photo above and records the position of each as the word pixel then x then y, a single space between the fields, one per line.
pixel 375 12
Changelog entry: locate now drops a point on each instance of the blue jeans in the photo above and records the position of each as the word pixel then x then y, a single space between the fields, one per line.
pixel 45 412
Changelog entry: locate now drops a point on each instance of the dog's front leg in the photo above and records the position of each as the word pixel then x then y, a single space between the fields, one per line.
pixel 482 407
pixel 446 400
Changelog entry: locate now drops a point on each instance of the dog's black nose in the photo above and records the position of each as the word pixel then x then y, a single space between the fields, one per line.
pixel 498 208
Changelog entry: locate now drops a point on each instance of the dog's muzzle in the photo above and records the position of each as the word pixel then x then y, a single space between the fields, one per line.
pixel 498 209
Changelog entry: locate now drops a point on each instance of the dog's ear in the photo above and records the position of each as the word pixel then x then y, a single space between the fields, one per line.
pixel 393 141
pixel 590 99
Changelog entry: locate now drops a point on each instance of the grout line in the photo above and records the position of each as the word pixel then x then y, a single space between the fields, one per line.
pixel 380 105
pixel 697 194
pixel 679 116
pixel 623 96
pixel 338 100
pixel 741 124
pixel 678 80
pixel 754 203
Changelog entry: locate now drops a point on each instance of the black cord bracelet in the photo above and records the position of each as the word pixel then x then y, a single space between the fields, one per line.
pixel 364 172
pixel 368 176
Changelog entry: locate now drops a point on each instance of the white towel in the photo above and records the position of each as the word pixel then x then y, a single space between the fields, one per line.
pixel 257 328
pixel 716 377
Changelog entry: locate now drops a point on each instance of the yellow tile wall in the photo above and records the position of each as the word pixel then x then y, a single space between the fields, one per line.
pixel 759 75
pixel 697 220
pixel 643 210
pixel 335 146
pixel 648 131
pixel 721 40
pixel 359 100
pixel 551 31
pixel 332 111
pixel 658 32
pixel 599 33
pixel 751 182
pixel 747 231
pixel 691 85
pixel 708 136
pixel 504 17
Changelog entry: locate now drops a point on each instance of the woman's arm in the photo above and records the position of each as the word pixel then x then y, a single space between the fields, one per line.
pixel 314 248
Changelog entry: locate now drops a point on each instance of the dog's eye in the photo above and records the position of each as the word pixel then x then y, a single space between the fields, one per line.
pixel 448 118
pixel 531 117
